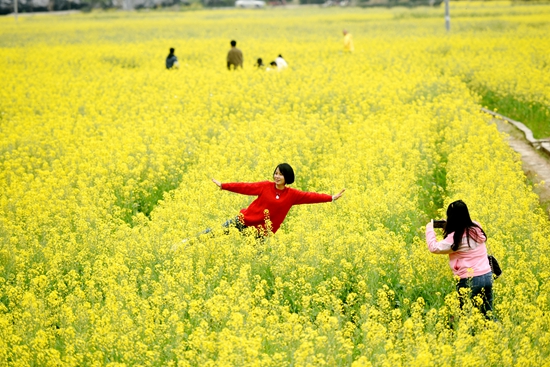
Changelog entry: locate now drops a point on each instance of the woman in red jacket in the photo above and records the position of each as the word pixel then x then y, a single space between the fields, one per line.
pixel 273 202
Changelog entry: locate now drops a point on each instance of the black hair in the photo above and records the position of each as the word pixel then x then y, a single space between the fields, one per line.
pixel 233 43
pixel 273 63
pixel 286 171
pixel 172 50
pixel 260 62
pixel 459 222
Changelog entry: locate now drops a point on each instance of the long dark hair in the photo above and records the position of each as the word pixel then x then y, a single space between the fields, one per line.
pixel 459 222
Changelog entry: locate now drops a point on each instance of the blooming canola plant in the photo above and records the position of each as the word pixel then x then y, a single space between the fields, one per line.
pixel 106 159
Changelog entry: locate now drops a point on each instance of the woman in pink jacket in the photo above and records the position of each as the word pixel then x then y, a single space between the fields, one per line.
pixel 464 242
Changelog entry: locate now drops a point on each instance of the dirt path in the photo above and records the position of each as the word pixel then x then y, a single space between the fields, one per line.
pixel 536 164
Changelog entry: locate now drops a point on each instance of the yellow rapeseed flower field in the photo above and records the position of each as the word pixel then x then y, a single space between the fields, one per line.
pixel 106 159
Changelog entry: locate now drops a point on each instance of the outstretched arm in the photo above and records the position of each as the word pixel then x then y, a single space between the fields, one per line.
pixel 337 196
pixel 303 197
pixel 245 188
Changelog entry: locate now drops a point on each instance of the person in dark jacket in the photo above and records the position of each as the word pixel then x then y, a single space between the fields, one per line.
pixel 172 60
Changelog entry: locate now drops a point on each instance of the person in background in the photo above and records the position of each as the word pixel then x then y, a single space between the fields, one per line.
pixel 281 63
pixel 273 202
pixel 172 60
pixel 348 41
pixel 234 57
pixel 259 63
pixel 464 242
pixel 272 66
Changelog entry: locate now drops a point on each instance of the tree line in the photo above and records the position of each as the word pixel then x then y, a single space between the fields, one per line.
pixel 28 6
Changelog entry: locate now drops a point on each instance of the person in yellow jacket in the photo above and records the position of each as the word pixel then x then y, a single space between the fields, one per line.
pixel 348 41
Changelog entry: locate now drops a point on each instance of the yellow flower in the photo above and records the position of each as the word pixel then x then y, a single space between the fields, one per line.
pixel 106 160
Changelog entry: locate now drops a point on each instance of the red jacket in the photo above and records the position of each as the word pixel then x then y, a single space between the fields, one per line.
pixel 276 202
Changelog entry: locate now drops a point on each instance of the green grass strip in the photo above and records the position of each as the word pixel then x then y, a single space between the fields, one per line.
pixel 534 115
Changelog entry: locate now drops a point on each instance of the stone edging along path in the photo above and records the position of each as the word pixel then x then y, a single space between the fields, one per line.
pixel 542 144
pixel 536 166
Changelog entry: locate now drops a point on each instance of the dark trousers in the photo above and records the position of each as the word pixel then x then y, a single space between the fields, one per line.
pixel 236 223
pixel 482 286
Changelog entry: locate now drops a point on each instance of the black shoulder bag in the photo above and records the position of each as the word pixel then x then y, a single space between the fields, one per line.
pixel 495 267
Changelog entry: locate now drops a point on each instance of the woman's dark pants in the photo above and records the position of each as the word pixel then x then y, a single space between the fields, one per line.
pixel 233 222
pixel 481 285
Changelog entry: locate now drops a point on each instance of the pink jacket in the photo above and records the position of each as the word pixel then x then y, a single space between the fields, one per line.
pixel 468 261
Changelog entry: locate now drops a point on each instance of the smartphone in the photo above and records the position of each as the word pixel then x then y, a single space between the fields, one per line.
pixel 439 223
